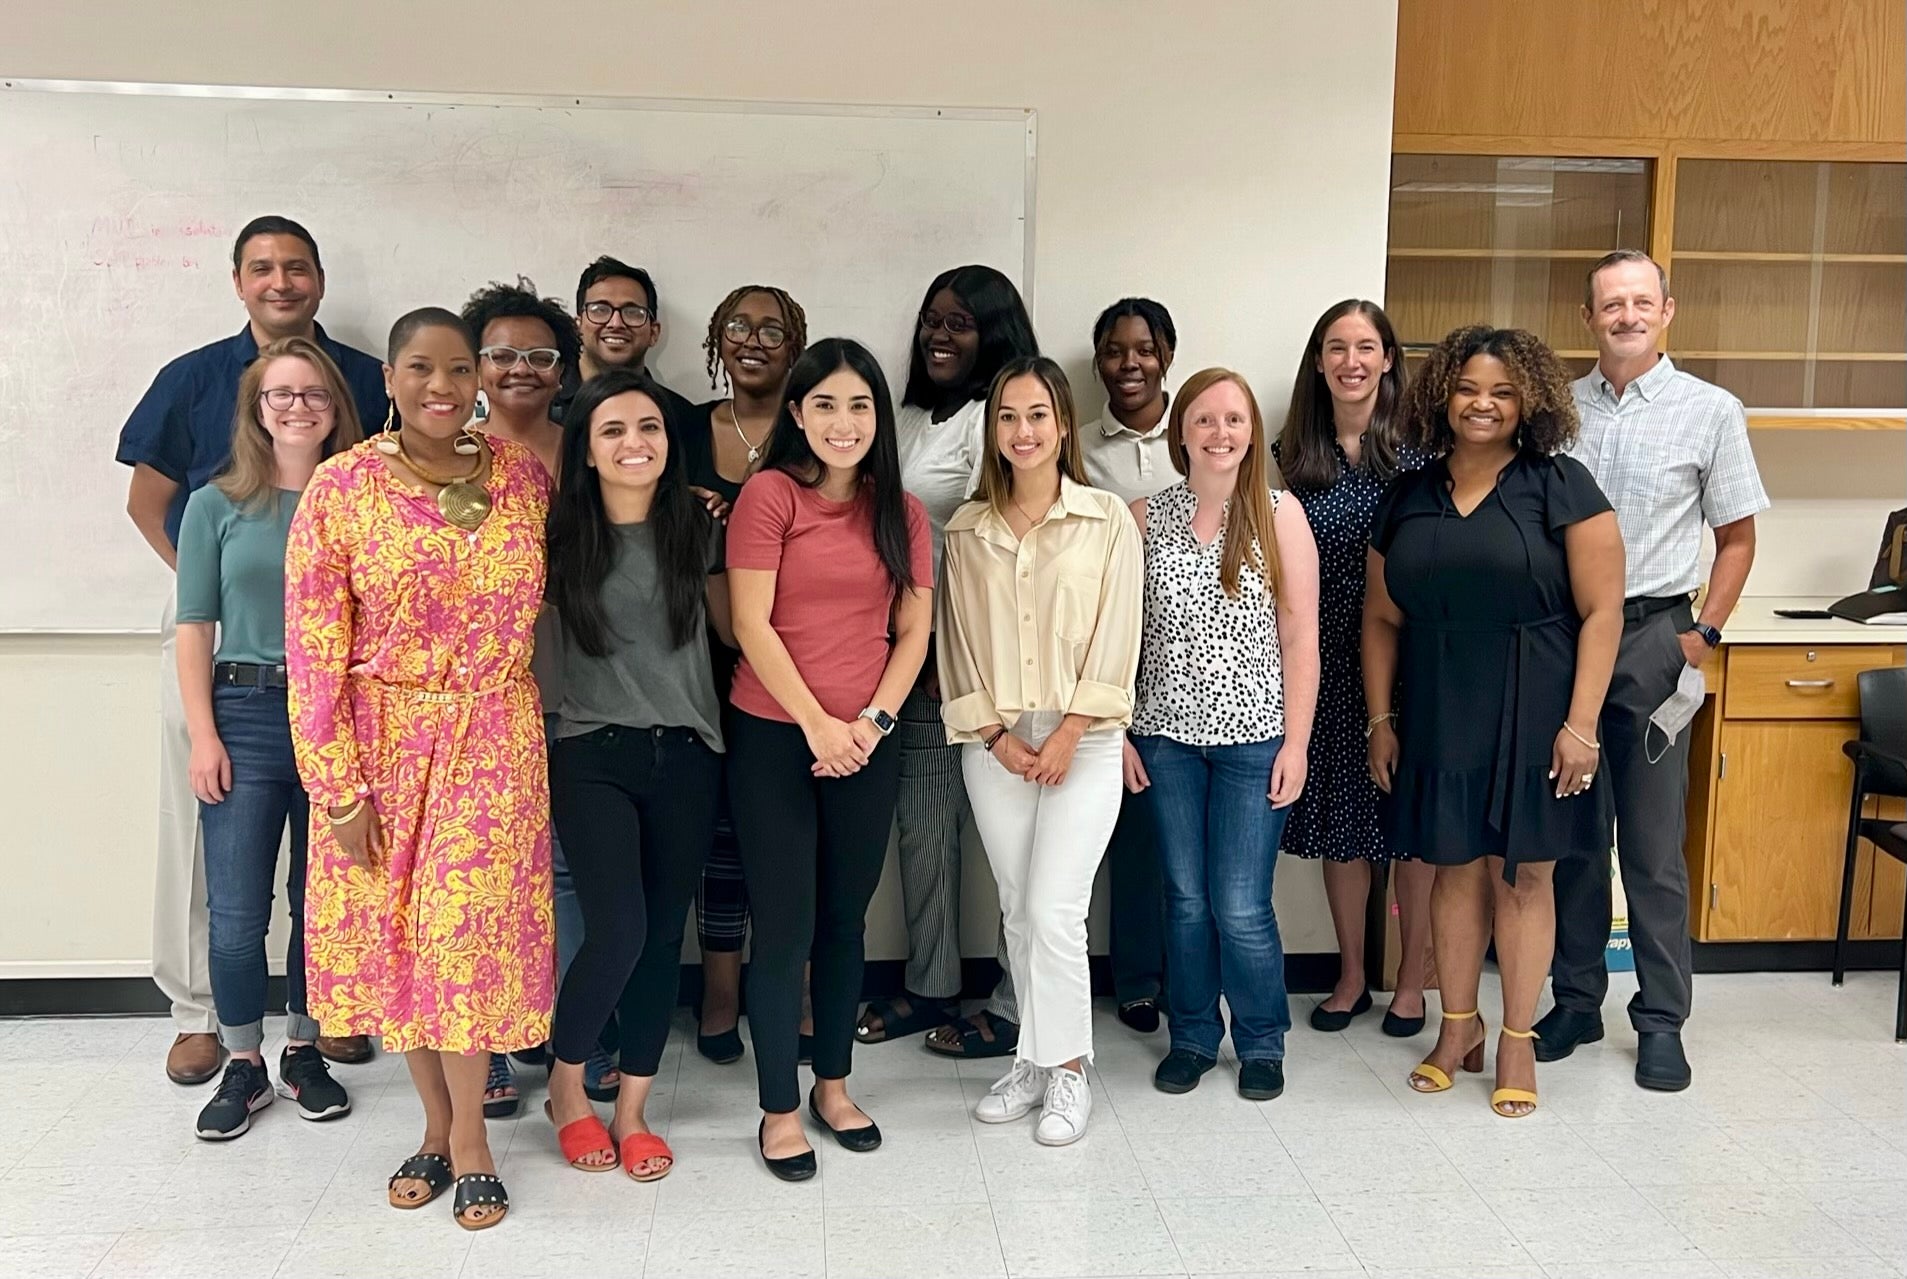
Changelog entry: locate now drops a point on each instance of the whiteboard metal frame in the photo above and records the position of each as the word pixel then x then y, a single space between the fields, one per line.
pixel 548 102
pixel 586 102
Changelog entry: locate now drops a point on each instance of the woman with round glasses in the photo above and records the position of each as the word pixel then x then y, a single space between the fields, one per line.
pixel 754 338
pixel 525 346
pixel 971 322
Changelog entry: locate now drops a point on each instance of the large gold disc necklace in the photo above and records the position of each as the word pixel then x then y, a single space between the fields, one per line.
pixel 463 503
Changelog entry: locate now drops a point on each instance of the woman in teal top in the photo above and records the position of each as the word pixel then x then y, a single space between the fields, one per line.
pixel 293 411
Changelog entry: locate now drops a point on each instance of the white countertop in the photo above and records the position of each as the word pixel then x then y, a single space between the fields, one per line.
pixel 1754 622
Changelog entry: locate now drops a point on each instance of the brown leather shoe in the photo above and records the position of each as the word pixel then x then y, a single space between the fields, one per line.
pixel 194 1058
pixel 346 1050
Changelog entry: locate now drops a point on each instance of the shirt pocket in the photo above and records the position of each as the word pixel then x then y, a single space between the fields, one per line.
pixel 1075 606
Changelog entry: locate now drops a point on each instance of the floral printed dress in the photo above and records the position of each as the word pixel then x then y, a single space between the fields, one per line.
pixel 408 645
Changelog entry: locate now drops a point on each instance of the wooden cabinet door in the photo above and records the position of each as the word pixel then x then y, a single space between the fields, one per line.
pixel 1780 830
pixel 1880 882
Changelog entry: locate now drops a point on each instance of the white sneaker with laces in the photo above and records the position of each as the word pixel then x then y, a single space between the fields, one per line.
pixel 1069 1104
pixel 1013 1095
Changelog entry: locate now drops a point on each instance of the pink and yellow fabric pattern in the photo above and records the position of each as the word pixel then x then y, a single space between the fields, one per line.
pixel 408 643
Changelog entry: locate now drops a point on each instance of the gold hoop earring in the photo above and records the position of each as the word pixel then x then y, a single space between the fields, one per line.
pixel 468 443
pixel 387 441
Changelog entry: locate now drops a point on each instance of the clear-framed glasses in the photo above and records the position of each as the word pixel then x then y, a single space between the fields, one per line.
pixel 280 398
pixel 505 358
pixel 954 323
pixel 770 333
pixel 634 314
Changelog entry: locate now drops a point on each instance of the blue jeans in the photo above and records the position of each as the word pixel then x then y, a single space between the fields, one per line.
pixel 1218 841
pixel 241 835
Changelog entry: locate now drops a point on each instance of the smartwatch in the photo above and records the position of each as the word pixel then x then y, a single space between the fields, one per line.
pixel 1710 636
pixel 879 718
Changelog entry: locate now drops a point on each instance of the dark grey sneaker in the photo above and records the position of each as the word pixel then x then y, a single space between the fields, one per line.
pixel 1181 1070
pixel 305 1079
pixel 244 1089
pixel 1260 1080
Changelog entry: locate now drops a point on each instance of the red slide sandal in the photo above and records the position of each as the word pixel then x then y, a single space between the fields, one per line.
pixel 581 1137
pixel 640 1148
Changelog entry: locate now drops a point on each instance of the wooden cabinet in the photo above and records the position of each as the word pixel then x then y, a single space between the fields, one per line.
pixel 1768 798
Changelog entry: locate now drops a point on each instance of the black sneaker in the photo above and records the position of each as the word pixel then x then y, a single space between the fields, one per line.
pixel 245 1088
pixel 1260 1080
pixel 304 1078
pixel 1181 1070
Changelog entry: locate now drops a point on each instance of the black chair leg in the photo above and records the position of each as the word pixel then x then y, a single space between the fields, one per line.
pixel 1847 872
pixel 1900 991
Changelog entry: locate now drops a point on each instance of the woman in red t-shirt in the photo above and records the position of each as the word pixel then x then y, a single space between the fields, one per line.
pixel 831 572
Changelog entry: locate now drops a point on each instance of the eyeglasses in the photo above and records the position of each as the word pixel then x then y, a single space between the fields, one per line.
pixel 954 323
pixel 280 398
pixel 770 334
pixel 634 314
pixel 505 358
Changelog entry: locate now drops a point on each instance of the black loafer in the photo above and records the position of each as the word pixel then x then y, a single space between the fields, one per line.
pixel 799 1167
pixel 1321 1019
pixel 1141 1015
pixel 1181 1070
pixel 1660 1062
pixel 1260 1080
pixel 859 1140
pixel 1560 1031
pixel 1402 1027
pixel 723 1049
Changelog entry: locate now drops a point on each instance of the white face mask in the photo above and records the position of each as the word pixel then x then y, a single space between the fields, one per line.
pixel 1672 716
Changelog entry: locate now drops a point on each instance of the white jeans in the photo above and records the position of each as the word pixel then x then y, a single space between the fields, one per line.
pixel 1045 844
pixel 181 963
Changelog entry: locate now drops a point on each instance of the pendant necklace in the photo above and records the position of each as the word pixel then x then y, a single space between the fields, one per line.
pixel 754 450
pixel 459 501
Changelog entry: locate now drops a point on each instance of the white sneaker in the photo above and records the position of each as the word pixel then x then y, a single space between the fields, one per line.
pixel 1069 1104
pixel 1014 1095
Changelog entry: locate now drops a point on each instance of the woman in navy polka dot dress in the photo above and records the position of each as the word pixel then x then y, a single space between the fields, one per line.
pixel 1339 452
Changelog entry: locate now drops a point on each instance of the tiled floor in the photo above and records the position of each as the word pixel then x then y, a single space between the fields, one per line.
pixel 1786 1160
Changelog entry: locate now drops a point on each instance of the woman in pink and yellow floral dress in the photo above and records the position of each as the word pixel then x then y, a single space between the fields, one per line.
pixel 413 578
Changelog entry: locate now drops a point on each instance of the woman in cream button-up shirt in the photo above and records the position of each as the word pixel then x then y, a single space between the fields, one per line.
pixel 1040 606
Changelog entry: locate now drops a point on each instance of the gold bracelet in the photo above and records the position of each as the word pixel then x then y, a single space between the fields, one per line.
pixel 1594 746
pixel 340 819
pixel 1370 725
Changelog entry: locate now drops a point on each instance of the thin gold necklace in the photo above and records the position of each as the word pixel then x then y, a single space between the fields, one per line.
pixel 459 501
pixel 754 449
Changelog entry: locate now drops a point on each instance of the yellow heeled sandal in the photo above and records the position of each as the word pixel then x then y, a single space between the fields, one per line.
pixel 1472 1060
pixel 1509 1096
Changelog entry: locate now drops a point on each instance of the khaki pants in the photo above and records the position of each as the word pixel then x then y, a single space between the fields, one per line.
pixel 181 966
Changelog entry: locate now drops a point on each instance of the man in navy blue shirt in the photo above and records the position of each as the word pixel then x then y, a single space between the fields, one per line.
pixel 175 441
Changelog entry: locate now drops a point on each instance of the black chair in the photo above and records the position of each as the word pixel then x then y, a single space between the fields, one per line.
pixel 1880 768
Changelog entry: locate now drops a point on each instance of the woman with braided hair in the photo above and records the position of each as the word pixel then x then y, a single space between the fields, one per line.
pixel 1492 609
pixel 754 338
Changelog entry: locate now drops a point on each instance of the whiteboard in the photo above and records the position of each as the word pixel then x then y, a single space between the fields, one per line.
pixel 118 204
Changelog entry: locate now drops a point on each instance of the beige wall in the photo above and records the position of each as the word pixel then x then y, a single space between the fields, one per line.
pixel 1230 159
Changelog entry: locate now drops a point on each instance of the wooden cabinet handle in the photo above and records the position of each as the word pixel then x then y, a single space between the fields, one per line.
pixel 1810 683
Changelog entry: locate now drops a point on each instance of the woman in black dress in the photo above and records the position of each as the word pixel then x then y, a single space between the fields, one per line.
pixel 1339 451
pixel 1494 606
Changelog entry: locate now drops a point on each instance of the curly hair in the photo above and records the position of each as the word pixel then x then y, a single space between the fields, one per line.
pixel 791 312
pixel 519 301
pixel 1548 410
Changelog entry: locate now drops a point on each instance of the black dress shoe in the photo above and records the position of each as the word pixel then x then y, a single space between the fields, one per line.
pixel 859 1140
pixel 1141 1015
pixel 1261 1080
pixel 1321 1019
pixel 721 1049
pixel 1660 1062
pixel 1561 1030
pixel 790 1168
pixel 1181 1070
pixel 1402 1027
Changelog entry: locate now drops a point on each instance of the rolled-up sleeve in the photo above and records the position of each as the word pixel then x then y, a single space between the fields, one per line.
pixel 1104 688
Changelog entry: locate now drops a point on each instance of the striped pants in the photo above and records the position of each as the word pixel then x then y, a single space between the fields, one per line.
pixel 933 809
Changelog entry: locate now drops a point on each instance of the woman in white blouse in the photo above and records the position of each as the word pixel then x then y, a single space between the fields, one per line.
pixel 1227 689
pixel 1038 640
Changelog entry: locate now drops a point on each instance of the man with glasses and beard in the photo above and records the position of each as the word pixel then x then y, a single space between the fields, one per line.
pixel 620 321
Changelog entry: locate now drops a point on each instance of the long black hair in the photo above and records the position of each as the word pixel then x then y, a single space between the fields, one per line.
pixel 789 451
pixel 1006 331
pixel 1307 448
pixel 582 542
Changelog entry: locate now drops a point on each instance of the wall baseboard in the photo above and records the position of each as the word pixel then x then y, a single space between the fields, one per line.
pixel 1304 974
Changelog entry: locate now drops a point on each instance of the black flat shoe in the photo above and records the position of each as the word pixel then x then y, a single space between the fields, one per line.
pixel 804 1050
pixel 1261 1080
pixel 859 1140
pixel 792 1168
pixel 1321 1019
pixel 1141 1015
pixel 1661 1065
pixel 1181 1070
pixel 1560 1031
pixel 723 1049
pixel 1402 1027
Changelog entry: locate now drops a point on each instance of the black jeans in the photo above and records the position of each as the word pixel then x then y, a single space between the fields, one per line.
pixel 1138 903
pixel 812 851
pixel 635 810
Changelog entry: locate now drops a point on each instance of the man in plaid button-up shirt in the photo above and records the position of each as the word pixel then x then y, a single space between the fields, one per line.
pixel 1671 452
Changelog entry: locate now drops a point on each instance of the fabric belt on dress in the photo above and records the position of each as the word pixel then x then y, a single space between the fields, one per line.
pixel 248 675
pixel 1639 608
pixel 436 697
